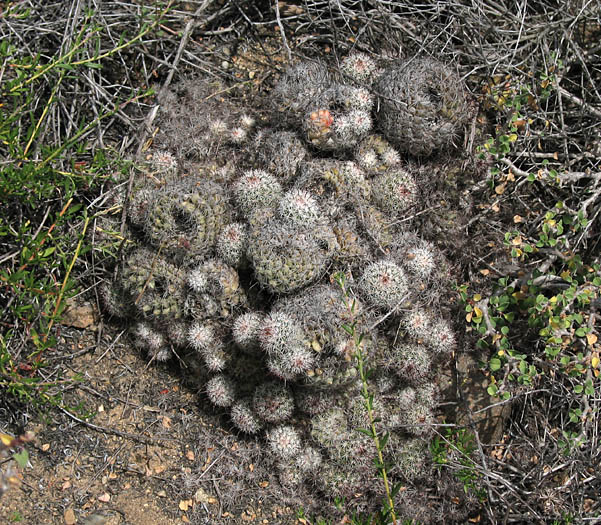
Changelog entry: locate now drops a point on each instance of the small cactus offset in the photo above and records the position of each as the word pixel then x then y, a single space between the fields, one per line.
pixel 280 153
pixel 238 236
pixel 232 244
pixel 375 154
pixel 395 191
pixel 384 285
pixel 221 391
pixel 301 84
pixel 359 67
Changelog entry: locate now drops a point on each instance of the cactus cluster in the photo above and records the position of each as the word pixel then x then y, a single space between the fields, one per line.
pixel 333 114
pixel 233 267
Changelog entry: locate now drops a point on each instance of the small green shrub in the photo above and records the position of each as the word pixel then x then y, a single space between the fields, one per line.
pixel 539 324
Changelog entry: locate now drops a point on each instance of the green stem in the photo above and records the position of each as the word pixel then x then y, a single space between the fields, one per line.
pixel 372 425
pixel 360 357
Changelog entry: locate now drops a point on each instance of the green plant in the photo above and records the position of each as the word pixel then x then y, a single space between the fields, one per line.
pixel 13 453
pixel 550 302
pixel 539 324
pixel 455 450
pixel 566 519
pixel 44 186
pixel 371 431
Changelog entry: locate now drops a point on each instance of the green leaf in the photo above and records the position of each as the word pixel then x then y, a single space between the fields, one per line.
pixel 395 489
pixel 22 458
pixel 366 431
pixel 492 390
pixel 384 440
pixel 495 364
pixel 379 466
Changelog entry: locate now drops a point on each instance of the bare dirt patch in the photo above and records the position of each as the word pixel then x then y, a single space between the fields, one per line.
pixel 147 454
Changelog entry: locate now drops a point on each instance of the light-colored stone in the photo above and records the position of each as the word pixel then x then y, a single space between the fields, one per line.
pixel 472 385
pixel 70 518
pixel 80 315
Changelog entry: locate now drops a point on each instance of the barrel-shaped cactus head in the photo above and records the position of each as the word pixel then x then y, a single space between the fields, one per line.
pixel 232 244
pixel 384 284
pixel 441 337
pixel 286 259
pixel 299 209
pixel 185 218
pixel 273 402
pixel 420 261
pixel 256 189
pixel 291 362
pixel 395 191
pixel 422 105
pixel 221 391
pixel 155 286
pixel 278 332
pixel 244 418
pixel 245 330
pixel 300 86
pixel 411 362
pixel 284 441
pixel 281 153
pixel 163 164
pixel 418 323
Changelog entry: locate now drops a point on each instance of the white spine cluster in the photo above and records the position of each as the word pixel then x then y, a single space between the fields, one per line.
pixel 299 208
pixel 395 191
pixel 360 67
pixel 198 281
pixel 221 391
pixel 279 332
pixel 232 243
pixel 420 261
pixel 257 189
pixel 284 441
pixel 384 284
pixel 246 330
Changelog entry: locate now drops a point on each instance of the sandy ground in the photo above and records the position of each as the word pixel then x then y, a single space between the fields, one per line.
pixel 148 455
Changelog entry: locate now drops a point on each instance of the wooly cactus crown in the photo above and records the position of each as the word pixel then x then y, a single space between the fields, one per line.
pixel 238 232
